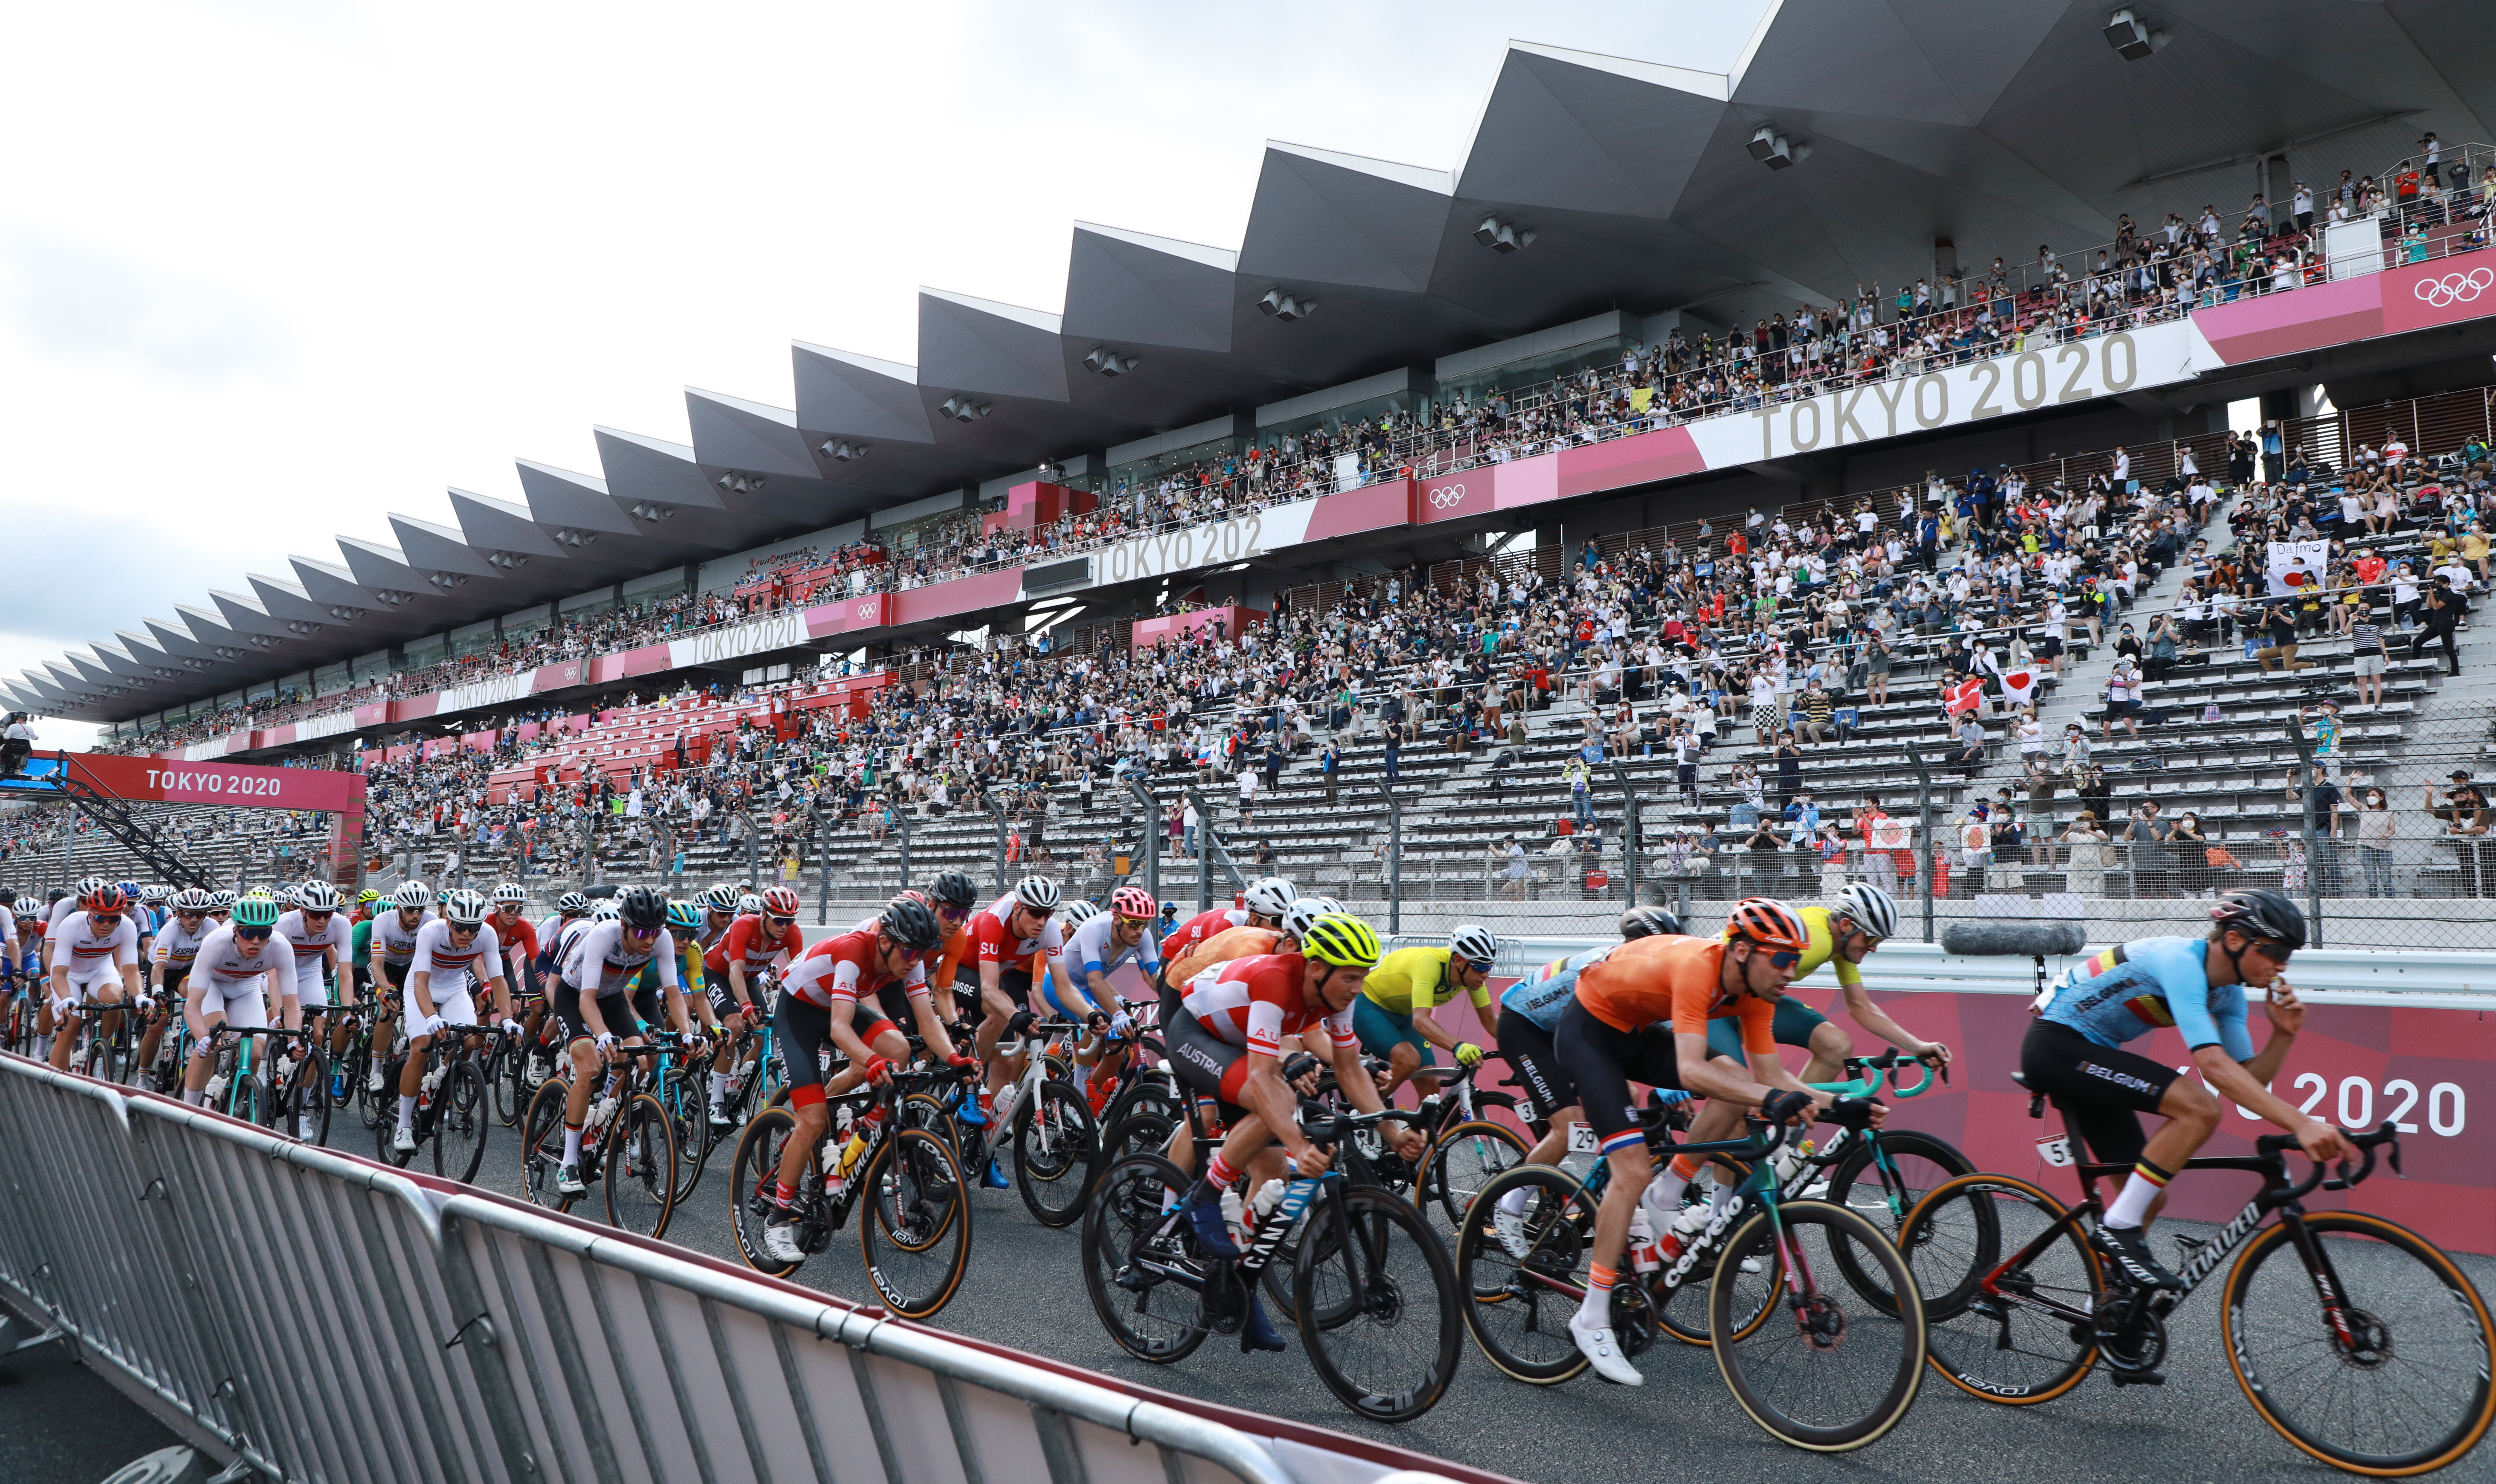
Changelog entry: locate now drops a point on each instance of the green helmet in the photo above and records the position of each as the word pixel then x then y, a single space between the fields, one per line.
pixel 254 910
pixel 684 917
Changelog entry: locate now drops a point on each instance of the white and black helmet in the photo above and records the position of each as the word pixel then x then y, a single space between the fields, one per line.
pixel 750 905
pixel 572 904
pixel 1039 893
pixel 1868 908
pixel 1078 912
pixel 193 899
pixel 721 898
pixel 464 908
pixel 1305 910
pixel 316 896
pixel 606 911
pixel 1475 943
pixel 414 894
pixel 1270 896
pixel 152 893
pixel 510 892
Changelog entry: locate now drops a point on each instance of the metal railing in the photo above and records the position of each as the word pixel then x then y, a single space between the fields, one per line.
pixel 315 1316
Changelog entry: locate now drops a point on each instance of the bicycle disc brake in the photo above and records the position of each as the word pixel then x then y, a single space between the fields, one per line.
pixel 1820 1321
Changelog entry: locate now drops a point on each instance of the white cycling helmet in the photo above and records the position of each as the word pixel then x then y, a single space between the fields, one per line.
pixel 1869 908
pixel 1270 896
pixel 1039 893
pixel 508 891
pixel 1079 912
pixel 719 899
pixel 1305 910
pixel 750 905
pixel 414 894
pixel 606 911
pixel 316 896
pixel 1475 943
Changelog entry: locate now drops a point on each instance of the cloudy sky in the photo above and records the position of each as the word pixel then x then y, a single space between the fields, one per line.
pixel 271 268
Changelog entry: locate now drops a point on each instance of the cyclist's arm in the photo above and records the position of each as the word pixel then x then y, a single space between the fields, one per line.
pixel 931 1026
pixel 2222 1051
pixel 502 996
pixel 1871 1017
pixel 420 991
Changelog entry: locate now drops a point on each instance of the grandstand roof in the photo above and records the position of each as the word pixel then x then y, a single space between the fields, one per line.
pixel 1993 124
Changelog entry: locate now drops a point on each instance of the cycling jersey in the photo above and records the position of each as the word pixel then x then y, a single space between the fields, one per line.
pixel 1412 979
pixel 602 960
pixel 1197 929
pixel 1676 979
pixel 1823 948
pixel 2132 989
pixel 1254 1002
pixel 453 970
pixel 92 957
pixel 518 937
pixel 1220 948
pixel 1540 996
pixel 178 947
pixel 359 943
pixel 1093 949
pixel 398 940
pixel 311 952
pixel 225 980
pixel 745 942
pixel 844 968
pixel 549 935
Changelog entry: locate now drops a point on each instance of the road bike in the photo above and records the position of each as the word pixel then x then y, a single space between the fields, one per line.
pixel 628 1149
pixel 455 1110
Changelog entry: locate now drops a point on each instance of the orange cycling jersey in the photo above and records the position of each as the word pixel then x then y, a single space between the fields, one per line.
pixel 951 956
pixel 1220 948
pixel 1664 978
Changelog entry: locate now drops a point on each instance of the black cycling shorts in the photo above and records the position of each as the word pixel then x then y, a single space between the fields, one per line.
pixel 616 1010
pixel 2102 1091
pixel 1603 1062
pixel 1206 1063
pixel 801 1029
pixel 1529 1052
pixel 396 974
pixel 1013 981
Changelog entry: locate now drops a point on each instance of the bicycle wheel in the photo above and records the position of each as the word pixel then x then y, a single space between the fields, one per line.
pixel 1916 1164
pixel 463 1117
pixel 926 1110
pixel 1144 1134
pixel 306 1110
pixel 752 1175
pixel 689 1119
pixel 1142 1281
pixel 1054 1139
pixel 248 1099
pixel 1466 1158
pixel 1148 1096
pixel 503 1070
pixel 2403 1389
pixel 1376 1302
pixel 1821 1373
pixel 1519 1301
pixel 914 1222
pixel 2002 1345
pixel 542 1145
pixel 639 1167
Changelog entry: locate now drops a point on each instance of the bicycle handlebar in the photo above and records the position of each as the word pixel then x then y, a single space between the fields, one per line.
pixel 2366 1143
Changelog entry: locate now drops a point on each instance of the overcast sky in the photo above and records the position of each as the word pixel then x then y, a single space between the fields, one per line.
pixel 272 268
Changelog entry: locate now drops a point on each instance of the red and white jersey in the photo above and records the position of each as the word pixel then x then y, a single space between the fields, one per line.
pixel 1197 929
pixel 311 949
pixel 603 960
pixel 1256 1001
pixel 394 938
pixel 844 968
pixel 519 938
pixel 222 967
pixel 451 969
pixel 992 944
pixel 90 954
pixel 745 942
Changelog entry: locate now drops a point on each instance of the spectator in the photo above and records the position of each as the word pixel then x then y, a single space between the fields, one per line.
pixel 2085 864
pixel 2376 830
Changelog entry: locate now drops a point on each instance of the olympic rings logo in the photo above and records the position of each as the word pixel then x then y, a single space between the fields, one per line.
pixel 866 609
pixel 1447 497
pixel 2455 288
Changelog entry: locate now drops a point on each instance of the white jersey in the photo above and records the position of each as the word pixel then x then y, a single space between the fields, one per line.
pixel 395 942
pixel 94 957
pixel 67 908
pixel 603 960
pixel 312 949
pixel 225 980
pixel 1091 949
pixel 177 948
pixel 451 969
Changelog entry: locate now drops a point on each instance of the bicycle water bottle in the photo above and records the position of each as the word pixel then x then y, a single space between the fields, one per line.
pixel 1646 1256
pixel 1001 1111
pixel 856 1145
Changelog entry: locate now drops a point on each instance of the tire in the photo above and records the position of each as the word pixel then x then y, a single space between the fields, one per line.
pixel 1144 1134
pixel 463 1119
pixel 248 1099
pixel 688 1119
pixel 753 1173
pixel 1464 1160
pixel 542 1145
pixel 504 1066
pixel 1054 1139
pixel 1151 1316
pixel 307 1101
pixel 1998 1350
pixel 1376 1302
pixel 2422 1393
pixel 353 1062
pixel 1147 1095
pixel 1919 1164
pixel 926 1110
pixel 914 1216
pixel 638 1168
pixel 1776 1371
pixel 1518 1308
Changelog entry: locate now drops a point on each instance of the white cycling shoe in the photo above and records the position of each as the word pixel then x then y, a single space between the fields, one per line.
pixel 780 1240
pixel 1600 1347
pixel 404 1141
pixel 1510 1227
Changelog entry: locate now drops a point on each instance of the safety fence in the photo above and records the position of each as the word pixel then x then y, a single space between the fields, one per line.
pixel 315 1316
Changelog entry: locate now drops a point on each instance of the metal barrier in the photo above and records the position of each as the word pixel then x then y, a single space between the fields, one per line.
pixel 315 1316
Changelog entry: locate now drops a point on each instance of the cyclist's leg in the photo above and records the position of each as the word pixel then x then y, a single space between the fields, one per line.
pixel 1389 1034
pixel 2106 1088
pixel 1550 1094
pixel 1603 1060
pixel 802 1030
pixel 580 1048
pixel 1799 1024
pixel 160 1019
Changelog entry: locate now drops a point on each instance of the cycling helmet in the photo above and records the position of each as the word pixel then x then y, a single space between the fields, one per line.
pixel 1769 923
pixel 129 891
pixel 1341 940
pixel 105 898
pixel 952 888
pixel 606 911
pixel 414 894
pixel 254 910
pixel 1267 896
pixel 151 895
pixel 282 893
pixel 464 908
pixel 27 907
pixel 1475 943
pixel 510 892
pixel 317 897
pixel 572 904
pixel 86 886
pixel 1134 902
pixel 910 923
pixel 1648 922
pixel 224 901
pixel 1868 908
pixel 1039 893
pixel 2263 916
pixel 1304 912
pixel 190 899
pixel 684 917
pixel 644 908
pixel 367 897
pixel 721 899
pixel 1078 912
pixel 780 902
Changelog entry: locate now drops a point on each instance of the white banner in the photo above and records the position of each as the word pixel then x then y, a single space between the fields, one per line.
pixel 502 690
pixel 1347 471
pixel 1177 550
pixel 2282 568
pixel 783 630
pixel 329 726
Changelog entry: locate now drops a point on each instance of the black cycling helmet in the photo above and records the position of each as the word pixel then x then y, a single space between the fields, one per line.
pixel 1649 922
pixel 643 907
pixel 953 889
pixel 909 922
pixel 2264 916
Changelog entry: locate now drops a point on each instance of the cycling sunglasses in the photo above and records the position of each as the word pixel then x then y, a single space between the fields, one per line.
pixel 253 934
pixel 103 919
pixel 778 921
pixel 642 934
pixel 1784 958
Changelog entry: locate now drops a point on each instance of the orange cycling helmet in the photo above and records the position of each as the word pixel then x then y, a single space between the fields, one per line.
pixel 1767 922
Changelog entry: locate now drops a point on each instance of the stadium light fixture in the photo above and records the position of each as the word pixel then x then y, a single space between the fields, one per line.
pixel 1503 237
pixel 1276 304
pixel 736 482
pixel 1109 362
pixel 652 512
pixel 2131 37
pixel 1774 150
pixel 962 408
pixel 508 561
pixel 844 449
pixel 446 580
pixel 574 538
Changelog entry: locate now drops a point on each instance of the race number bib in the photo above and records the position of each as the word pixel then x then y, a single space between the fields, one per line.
pixel 1582 1140
pixel 2056 1151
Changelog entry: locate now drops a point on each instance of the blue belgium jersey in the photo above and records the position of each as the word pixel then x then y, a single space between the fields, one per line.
pixel 2132 989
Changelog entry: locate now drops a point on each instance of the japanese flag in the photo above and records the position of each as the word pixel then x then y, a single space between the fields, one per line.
pixel 2019 687
pixel 1965 695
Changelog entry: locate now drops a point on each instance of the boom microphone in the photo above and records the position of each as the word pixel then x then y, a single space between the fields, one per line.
pixel 2011 939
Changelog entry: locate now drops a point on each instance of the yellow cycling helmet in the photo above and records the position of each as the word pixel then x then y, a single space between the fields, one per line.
pixel 1341 940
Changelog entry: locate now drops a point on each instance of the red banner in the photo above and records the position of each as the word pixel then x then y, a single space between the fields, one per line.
pixel 216 783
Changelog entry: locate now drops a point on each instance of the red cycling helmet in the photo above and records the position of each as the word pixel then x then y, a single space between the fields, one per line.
pixel 780 902
pixel 104 899
pixel 1133 903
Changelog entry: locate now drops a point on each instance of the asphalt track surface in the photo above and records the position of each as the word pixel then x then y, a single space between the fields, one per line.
pixel 1025 1290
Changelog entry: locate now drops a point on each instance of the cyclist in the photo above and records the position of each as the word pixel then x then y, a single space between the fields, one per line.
pixel 178 947
pixel 455 953
pixel 396 931
pixel 1843 934
pixel 1392 1015
pixel 734 967
pixel 593 1003
pixel 1240 941
pixel 1262 905
pixel 1640 1013
pixel 95 959
pixel 1079 984
pixel 818 1002
pixel 367 903
pixel 1008 938
pixel 64 904
pixel 228 985
pixel 26 951
pixel 719 914
pixel 142 920
pixel 2074 1052
pixel 954 896
pixel 320 939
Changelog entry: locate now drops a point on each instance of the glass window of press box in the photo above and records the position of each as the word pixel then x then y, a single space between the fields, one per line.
pixel 1138 476
pixel 1517 376
pixel 1335 419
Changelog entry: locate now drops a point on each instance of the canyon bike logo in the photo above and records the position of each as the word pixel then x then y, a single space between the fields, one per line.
pixel 1446 497
pixel 2454 288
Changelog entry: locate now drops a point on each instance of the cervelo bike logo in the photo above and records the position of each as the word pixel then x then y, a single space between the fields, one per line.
pixel 1446 496
pixel 2454 288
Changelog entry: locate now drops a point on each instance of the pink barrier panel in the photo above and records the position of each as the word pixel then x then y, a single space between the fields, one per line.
pixel 415 709
pixel 556 677
pixel 1527 481
pixel 648 660
pixel 964 595
pixel 1667 453
pixel 1370 507
pixel 873 611
pixel 605 668
pixel 374 715
pixel 479 741
pixel 1454 496
pixel 2395 302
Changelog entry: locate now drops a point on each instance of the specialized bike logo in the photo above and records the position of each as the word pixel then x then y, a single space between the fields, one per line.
pixel 1447 497
pixel 2455 288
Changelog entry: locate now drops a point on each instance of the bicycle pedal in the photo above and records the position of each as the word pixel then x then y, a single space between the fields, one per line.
pixel 2138 1378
